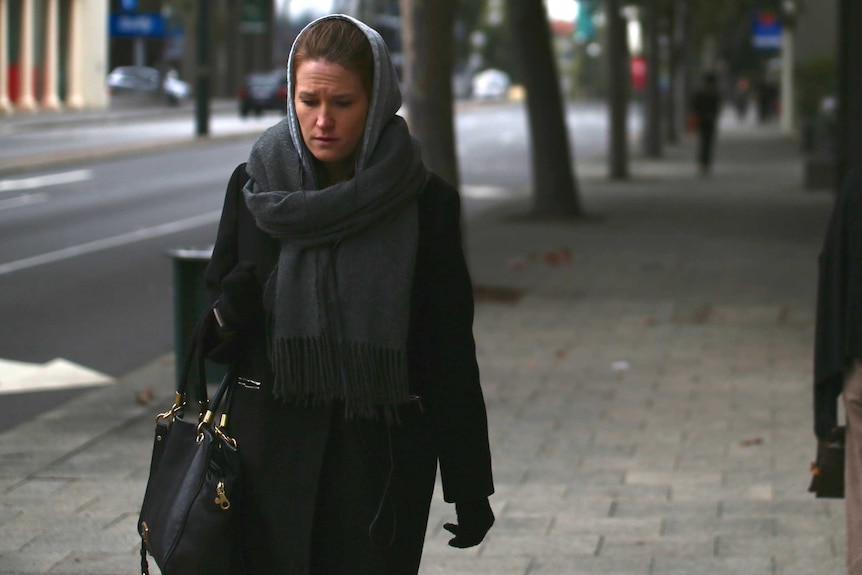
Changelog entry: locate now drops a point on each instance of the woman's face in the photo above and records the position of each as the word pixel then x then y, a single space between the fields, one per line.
pixel 331 106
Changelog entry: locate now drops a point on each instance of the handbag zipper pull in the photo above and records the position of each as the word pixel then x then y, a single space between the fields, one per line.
pixel 221 499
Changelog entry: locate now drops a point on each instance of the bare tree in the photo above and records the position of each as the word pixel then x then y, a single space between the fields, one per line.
pixel 427 41
pixel 555 192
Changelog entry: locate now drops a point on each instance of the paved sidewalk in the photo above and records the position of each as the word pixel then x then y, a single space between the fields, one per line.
pixel 50 140
pixel 647 375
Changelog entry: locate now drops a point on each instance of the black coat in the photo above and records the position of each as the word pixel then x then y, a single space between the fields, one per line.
pixel 314 480
pixel 838 333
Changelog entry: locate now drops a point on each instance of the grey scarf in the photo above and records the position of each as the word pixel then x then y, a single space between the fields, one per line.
pixel 339 297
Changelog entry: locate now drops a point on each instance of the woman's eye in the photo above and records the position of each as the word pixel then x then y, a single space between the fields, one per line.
pixel 308 103
pixel 344 103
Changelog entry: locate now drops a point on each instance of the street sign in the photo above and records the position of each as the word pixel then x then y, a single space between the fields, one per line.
pixel 253 16
pixel 137 25
pixel 766 31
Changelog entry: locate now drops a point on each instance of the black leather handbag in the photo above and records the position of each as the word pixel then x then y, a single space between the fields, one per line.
pixel 187 516
pixel 827 472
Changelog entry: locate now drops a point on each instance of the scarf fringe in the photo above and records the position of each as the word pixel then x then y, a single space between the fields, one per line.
pixel 371 381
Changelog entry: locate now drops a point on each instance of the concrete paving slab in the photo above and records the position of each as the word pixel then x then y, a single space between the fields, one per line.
pixel 28 563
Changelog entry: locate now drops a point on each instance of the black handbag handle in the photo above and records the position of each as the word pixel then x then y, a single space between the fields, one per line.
pixel 193 360
pixel 224 392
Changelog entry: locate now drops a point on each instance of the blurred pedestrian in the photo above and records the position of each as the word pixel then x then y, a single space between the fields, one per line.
pixel 741 97
pixel 706 104
pixel 342 295
pixel 838 350
pixel 767 101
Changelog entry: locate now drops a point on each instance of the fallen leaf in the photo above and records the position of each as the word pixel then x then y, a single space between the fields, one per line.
pixel 517 264
pixel 552 258
pixel 145 396
pixel 751 441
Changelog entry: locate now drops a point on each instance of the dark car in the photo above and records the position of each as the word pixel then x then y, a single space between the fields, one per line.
pixel 263 91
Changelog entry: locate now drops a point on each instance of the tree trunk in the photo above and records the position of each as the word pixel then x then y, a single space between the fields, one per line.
pixel 427 40
pixel 673 76
pixel 618 90
pixel 555 191
pixel 685 61
pixel 849 139
pixel 652 105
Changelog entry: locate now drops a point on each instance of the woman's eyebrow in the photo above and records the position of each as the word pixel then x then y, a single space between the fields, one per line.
pixel 313 93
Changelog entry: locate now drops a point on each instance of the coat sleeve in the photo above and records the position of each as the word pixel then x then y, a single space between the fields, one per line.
pixel 446 367
pixel 221 347
pixel 225 250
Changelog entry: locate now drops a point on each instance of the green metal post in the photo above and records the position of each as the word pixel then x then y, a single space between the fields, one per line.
pixel 202 92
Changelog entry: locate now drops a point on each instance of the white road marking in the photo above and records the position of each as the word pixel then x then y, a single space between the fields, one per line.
pixel 24 200
pixel 17 376
pixel 46 180
pixel 112 242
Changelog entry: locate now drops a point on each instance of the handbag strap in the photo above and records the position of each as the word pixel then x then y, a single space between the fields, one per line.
pixel 224 388
pixel 194 361
pixel 145 565
pixel 224 392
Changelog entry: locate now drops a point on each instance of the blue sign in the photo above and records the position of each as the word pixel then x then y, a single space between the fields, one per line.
pixel 766 31
pixel 137 25
pixel 129 5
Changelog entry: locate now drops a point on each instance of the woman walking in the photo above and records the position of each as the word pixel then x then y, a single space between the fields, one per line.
pixel 343 298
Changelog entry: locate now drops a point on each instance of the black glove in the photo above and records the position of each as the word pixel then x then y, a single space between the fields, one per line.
pixel 475 518
pixel 240 303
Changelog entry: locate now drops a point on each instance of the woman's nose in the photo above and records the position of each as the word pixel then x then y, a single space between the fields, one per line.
pixel 324 119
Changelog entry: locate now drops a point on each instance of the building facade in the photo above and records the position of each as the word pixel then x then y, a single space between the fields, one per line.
pixel 53 55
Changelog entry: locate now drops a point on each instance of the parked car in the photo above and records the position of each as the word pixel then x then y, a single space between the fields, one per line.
pixel 146 84
pixel 491 84
pixel 177 90
pixel 263 91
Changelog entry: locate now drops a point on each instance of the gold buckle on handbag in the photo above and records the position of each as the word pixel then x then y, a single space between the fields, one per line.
pixel 170 415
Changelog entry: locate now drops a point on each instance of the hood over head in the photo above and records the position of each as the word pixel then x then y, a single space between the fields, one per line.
pixel 384 101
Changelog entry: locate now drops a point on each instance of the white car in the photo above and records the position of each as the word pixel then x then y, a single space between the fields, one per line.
pixel 141 83
pixel 491 84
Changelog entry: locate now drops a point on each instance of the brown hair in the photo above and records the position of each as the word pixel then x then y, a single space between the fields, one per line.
pixel 340 42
